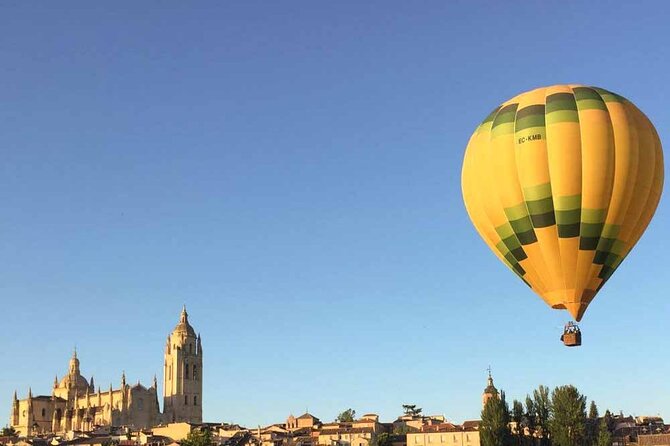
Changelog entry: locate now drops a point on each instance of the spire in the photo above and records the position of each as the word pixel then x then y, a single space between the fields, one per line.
pixel 490 389
pixel 184 315
pixel 56 381
pixel 155 382
pixel 92 384
pixel 123 379
pixel 74 363
pixel 15 397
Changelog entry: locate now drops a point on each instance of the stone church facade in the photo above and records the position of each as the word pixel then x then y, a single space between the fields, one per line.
pixel 75 403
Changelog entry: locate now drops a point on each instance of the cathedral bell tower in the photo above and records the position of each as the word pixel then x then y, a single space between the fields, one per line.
pixel 490 391
pixel 182 374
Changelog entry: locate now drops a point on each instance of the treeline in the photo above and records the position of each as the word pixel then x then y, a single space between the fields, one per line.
pixel 556 418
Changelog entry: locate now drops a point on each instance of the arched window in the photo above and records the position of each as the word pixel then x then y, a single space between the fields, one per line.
pixel 195 400
pixel 44 413
pixel 186 371
pixel 185 400
pixel 195 371
pixel 170 371
pixel 190 348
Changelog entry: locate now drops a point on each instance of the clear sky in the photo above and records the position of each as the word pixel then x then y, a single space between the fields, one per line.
pixel 291 172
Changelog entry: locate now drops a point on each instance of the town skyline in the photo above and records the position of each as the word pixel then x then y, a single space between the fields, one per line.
pixel 158 383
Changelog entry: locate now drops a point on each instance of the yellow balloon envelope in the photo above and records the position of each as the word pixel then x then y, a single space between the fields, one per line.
pixel 561 182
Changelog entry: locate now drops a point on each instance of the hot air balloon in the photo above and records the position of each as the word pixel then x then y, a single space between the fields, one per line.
pixel 561 182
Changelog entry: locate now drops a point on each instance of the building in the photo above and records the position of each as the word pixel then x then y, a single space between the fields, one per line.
pixel 182 372
pixel 489 391
pixel 414 423
pixel 76 405
pixel 445 434
pixel 353 433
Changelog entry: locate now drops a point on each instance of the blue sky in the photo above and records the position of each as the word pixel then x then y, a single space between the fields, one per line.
pixel 291 172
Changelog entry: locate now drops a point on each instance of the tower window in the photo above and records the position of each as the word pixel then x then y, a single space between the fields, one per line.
pixel 195 371
pixel 185 400
pixel 190 348
pixel 186 373
pixel 195 400
pixel 44 413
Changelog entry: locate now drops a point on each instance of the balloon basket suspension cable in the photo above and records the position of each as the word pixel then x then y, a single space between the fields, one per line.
pixel 572 335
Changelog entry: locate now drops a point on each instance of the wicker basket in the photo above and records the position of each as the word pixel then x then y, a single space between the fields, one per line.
pixel 572 339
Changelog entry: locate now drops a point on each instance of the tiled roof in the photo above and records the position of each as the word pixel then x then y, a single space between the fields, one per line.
pixel 471 425
pixel 442 427
pixel 348 430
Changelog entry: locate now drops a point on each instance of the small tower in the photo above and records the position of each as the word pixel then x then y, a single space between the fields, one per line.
pixel 55 421
pixel 490 390
pixel 182 384
pixel 74 364
pixel 15 410
pixel 29 421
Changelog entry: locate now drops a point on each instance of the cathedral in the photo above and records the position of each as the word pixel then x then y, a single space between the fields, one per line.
pixel 75 403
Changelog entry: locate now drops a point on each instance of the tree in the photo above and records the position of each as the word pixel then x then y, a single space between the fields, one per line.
pixel 8 431
pixel 542 404
pixel 411 409
pixel 517 417
pixel 402 429
pixel 346 416
pixel 592 425
pixel 609 420
pixel 382 439
pixel 494 427
pixel 198 437
pixel 604 436
pixel 568 416
pixel 530 416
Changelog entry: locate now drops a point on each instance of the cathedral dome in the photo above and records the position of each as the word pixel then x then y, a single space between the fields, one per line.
pixel 74 379
pixel 183 327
